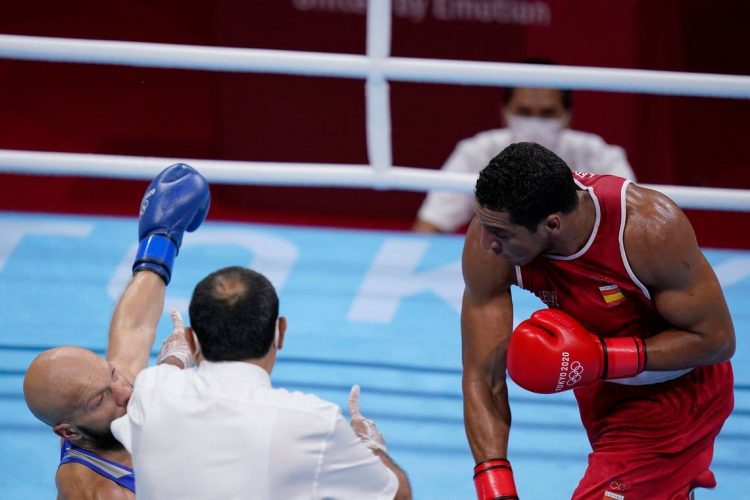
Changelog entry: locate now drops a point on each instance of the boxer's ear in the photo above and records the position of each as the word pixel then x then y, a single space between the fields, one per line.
pixel 552 223
pixel 66 431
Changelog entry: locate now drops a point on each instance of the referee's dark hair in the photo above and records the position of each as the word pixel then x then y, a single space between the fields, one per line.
pixel 233 313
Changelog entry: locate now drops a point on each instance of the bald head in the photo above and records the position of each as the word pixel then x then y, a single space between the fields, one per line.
pixel 57 380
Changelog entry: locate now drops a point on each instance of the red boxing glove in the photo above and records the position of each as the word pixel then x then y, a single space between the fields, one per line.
pixel 552 352
pixel 493 480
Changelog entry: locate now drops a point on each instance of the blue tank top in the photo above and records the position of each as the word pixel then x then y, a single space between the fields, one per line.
pixel 118 473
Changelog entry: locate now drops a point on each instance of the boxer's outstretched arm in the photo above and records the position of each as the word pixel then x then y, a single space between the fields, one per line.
pixel 133 327
pixel 486 410
pixel 486 325
pixel 664 254
pixel 177 200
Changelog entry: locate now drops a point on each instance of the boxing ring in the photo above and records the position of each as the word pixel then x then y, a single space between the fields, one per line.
pixel 376 308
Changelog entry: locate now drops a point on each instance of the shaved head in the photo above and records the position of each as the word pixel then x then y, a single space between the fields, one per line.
pixel 55 380
pixel 77 393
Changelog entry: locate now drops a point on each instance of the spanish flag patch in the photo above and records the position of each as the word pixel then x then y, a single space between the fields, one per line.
pixel 611 294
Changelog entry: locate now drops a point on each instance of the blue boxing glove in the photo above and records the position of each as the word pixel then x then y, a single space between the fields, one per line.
pixel 176 201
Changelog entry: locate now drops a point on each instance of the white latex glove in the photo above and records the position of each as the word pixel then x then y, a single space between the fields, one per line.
pixel 177 345
pixel 363 427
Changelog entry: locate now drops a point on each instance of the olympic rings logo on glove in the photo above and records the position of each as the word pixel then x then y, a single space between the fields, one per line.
pixel 575 374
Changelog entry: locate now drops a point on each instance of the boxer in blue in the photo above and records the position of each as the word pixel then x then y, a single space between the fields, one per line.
pixel 79 393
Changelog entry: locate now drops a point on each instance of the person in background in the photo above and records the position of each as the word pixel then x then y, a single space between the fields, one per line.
pixel 540 115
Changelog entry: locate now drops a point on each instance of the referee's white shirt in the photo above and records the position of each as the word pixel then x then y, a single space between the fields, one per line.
pixel 220 431
pixel 582 151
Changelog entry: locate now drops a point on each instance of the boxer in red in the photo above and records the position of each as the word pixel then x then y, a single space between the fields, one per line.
pixel 637 326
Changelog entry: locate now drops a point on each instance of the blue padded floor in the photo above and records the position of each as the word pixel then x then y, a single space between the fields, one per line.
pixel 375 308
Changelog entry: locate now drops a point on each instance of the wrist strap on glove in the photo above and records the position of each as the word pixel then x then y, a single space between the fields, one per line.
pixel 156 253
pixel 623 357
pixel 493 480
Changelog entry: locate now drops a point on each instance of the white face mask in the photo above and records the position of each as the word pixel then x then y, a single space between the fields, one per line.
pixel 544 131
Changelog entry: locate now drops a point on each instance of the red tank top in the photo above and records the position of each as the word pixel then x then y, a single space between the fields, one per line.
pixel 596 284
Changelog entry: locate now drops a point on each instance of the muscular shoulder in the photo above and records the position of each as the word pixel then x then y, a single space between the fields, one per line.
pixel 659 239
pixel 78 482
pixel 485 274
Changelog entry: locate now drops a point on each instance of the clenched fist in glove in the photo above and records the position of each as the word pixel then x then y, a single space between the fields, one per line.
pixel 552 352
pixel 176 201
pixel 493 480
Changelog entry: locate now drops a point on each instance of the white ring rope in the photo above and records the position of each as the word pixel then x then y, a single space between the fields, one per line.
pixel 377 67
pixel 311 175
pixel 157 55
pixel 236 172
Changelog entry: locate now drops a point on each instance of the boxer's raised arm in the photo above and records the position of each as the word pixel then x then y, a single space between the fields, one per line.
pixel 176 201
pixel 486 325
pixel 133 327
